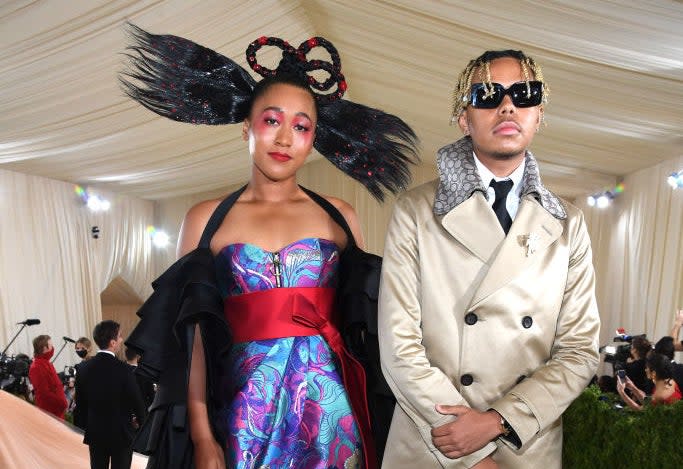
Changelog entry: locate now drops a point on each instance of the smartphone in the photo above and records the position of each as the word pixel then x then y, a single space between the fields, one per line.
pixel 621 374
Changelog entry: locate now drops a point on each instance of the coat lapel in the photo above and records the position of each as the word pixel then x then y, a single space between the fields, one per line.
pixel 533 221
pixel 475 226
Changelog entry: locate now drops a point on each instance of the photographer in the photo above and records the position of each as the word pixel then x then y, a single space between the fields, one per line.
pixel 659 370
pixel 48 388
pixel 635 365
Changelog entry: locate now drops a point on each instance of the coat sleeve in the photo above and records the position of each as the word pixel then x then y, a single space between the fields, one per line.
pixel 47 384
pixel 81 398
pixel 416 383
pixel 134 397
pixel 539 400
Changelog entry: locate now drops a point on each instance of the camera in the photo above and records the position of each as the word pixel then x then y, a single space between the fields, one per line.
pixel 14 374
pixel 68 373
pixel 617 355
pixel 621 374
pixel 16 367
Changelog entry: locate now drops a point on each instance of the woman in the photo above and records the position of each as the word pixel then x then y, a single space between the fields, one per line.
pixel 290 398
pixel 83 348
pixel 665 390
pixel 635 364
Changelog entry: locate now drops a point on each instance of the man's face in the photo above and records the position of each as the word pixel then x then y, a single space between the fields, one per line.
pixel 505 132
pixel 116 343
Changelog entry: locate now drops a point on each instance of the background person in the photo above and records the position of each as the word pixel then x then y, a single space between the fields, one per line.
pixel 107 399
pixel 665 388
pixel 47 387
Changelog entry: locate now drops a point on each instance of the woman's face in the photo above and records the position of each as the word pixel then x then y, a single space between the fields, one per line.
pixel 81 350
pixel 280 131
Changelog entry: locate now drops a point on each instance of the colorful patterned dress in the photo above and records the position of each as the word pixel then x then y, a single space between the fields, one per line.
pixel 288 406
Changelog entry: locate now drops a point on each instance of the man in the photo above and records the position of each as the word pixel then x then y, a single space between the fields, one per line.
pixel 146 386
pixel 107 399
pixel 47 387
pixel 488 325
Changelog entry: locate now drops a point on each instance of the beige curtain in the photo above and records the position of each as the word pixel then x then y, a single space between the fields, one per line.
pixel 638 254
pixel 53 270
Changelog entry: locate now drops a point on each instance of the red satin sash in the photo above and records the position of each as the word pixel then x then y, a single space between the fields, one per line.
pixel 288 312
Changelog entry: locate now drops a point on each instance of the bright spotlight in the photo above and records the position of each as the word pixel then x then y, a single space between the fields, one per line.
pixel 590 200
pixel 602 202
pixel 94 203
pixel 160 239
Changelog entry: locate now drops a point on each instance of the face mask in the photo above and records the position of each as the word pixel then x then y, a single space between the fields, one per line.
pixel 49 353
pixel 81 353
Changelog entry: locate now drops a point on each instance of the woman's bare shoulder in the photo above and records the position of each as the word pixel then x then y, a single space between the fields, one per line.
pixel 194 223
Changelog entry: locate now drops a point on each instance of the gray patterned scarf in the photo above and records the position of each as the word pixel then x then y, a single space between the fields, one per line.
pixel 459 179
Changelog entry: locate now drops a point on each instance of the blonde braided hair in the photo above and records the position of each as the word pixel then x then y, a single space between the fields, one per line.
pixel 461 93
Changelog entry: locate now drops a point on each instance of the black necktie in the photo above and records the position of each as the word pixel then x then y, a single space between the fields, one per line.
pixel 502 188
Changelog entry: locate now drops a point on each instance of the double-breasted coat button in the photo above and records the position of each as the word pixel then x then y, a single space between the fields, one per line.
pixel 527 322
pixel 466 379
pixel 470 319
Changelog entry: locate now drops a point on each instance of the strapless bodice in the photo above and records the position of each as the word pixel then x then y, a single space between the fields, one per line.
pixel 245 268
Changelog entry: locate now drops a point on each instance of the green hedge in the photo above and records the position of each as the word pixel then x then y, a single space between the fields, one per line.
pixel 597 435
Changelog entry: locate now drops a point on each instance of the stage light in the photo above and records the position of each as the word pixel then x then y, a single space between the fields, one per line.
pixel 675 180
pixel 604 198
pixel 159 238
pixel 602 201
pixel 93 201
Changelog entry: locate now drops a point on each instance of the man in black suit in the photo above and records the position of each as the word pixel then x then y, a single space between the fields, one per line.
pixel 108 401
pixel 146 386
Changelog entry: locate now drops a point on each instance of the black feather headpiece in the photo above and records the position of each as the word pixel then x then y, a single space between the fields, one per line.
pixel 181 80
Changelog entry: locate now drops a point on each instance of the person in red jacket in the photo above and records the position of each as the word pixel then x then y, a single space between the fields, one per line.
pixel 47 387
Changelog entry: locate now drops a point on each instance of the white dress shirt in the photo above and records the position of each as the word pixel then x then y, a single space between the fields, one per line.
pixel 512 201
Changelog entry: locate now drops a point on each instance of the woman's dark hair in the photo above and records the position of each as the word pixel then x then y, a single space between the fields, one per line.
pixel 641 345
pixel 660 365
pixel 181 80
pixel 666 347
pixel 264 85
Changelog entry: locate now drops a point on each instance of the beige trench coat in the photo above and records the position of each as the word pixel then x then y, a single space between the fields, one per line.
pixel 469 316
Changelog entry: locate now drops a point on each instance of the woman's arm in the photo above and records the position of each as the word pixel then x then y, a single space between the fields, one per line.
pixel 638 394
pixel 629 402
pixel 207 452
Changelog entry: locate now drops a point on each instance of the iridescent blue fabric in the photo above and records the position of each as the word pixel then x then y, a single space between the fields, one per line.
pixel 288 406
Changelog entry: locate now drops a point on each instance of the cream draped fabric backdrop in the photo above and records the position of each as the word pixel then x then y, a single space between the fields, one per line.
pixel 53 270
pixel 638 254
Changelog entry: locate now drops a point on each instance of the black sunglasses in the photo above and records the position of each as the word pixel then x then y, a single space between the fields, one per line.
pixel 521 94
